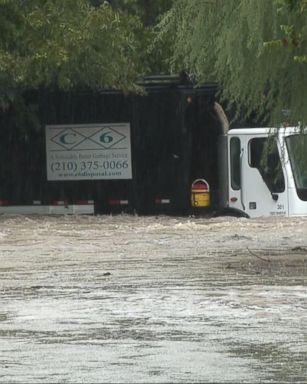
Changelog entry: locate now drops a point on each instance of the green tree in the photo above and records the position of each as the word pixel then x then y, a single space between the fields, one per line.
pixel 67 44
pixel 255 49
pixel 153 56
pixel 149 11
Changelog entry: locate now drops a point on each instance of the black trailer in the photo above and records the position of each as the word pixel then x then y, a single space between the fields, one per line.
pixel 174 133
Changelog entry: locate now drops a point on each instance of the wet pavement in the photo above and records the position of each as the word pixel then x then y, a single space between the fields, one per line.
pixel 152 299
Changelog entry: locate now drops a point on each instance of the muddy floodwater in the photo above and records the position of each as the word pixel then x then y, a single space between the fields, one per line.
pixel 129 299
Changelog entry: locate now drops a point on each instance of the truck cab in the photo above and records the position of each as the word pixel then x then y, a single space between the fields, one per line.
pixel 266 171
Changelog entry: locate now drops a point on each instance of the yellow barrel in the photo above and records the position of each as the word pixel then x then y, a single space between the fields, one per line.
pixel 200 193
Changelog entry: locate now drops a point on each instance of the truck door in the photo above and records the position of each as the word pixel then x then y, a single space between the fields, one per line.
pixel 263 184
pixel 235 153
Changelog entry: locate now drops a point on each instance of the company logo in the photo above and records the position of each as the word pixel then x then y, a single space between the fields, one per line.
pixel 106 138
pixel 68 138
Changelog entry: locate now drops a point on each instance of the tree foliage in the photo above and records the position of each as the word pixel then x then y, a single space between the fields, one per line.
pixel 149 12
pixel 67 44
pixel 256 50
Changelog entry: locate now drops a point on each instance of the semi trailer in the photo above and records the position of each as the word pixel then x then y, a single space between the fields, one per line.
pixel 167 150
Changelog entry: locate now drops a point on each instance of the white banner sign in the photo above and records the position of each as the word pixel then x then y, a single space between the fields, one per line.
pixel 88 152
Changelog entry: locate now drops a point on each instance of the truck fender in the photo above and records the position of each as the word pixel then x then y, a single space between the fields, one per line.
pixel 228 211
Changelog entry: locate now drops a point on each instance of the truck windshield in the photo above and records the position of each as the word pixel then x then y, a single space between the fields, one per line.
pixel 297 149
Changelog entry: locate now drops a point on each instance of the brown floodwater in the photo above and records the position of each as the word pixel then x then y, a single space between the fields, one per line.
pixel 152 299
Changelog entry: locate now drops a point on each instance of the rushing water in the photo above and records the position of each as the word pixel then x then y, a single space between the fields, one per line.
pixel 152 299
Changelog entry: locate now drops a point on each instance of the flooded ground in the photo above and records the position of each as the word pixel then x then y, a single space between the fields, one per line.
pixel 152 299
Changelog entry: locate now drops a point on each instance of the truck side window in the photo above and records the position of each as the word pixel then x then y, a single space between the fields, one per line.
pixel 264 155
pixel 235 168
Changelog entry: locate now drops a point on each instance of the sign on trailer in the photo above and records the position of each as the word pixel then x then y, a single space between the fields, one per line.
pixel 88 151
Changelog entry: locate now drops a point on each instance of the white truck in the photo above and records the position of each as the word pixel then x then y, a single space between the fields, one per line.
pixel 264 172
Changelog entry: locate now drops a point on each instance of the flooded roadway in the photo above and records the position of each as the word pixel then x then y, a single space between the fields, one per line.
pixel 152 299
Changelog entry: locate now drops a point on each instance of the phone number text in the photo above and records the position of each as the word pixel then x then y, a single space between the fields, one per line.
pixel 74 166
